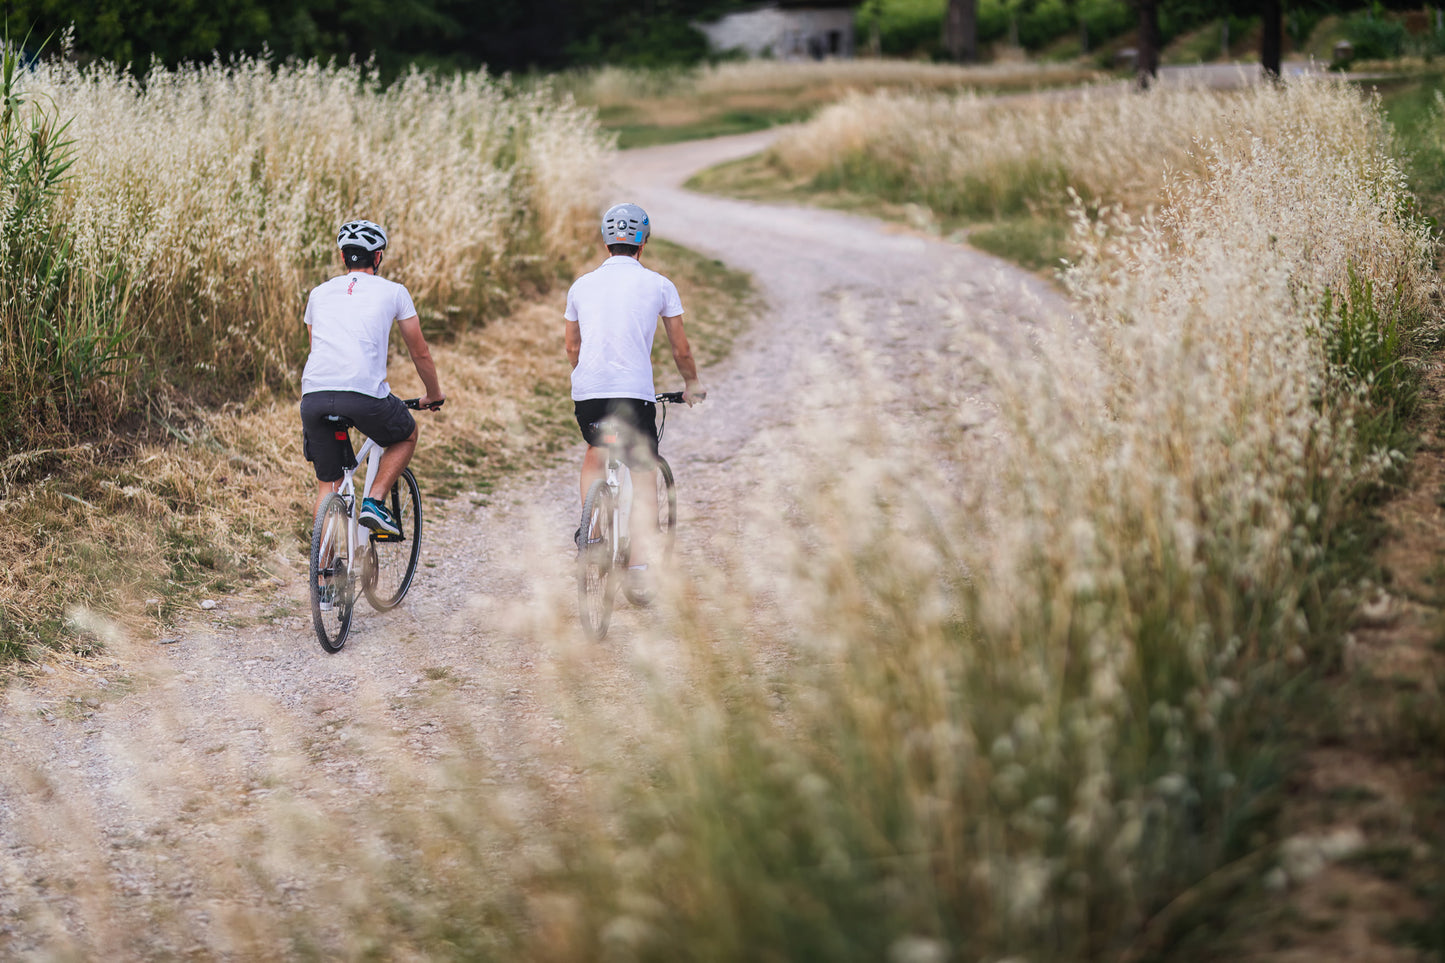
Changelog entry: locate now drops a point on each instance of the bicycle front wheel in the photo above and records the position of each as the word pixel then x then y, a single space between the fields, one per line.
pixel 332 580
pixel 666 509
pixel 596 562
pixel 391 559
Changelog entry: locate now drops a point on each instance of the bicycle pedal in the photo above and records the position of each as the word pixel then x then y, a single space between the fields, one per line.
pixel 386 537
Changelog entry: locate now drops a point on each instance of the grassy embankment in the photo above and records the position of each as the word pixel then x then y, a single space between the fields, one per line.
pixel 656 107
pixel 1015 693
pixel 157 253
pixel 995 172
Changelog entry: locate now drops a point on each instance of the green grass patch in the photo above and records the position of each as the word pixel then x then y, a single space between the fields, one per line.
pixel 1413 106
pixel 1036 243
pixel 1010 223
pixel 736 121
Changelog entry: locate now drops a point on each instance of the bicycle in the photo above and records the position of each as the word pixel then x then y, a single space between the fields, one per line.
pixel 602 558
pixel 338 550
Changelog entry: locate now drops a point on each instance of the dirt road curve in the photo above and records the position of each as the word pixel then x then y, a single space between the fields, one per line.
pixel 161 728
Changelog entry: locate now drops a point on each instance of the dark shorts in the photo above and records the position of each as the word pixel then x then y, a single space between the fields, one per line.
pixel 385 421
pixel 636 419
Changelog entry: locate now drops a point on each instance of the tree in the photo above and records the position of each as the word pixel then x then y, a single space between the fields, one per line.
pixel 1271 45
pixel 1148 45
pixel 960 30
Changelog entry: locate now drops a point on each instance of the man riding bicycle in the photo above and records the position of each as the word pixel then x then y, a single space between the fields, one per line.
pixel 611 318
pixel 349 320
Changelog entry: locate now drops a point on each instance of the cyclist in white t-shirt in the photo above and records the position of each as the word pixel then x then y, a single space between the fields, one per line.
pixel 612 316
pixel 349 319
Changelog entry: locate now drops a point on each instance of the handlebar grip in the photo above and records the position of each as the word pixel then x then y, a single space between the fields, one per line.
pixel 670 397
pixel 413 403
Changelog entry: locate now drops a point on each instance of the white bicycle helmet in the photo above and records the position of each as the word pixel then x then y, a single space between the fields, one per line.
pixel 625 224
pixel 362 234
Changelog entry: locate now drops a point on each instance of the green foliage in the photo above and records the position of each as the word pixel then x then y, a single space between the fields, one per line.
pixel 728 122
pixel 905 27
pixel 1374 36
pixel 1416 109
pixel 453 34
pixel 61 333
pixel 1005 191
pixel 639 41
pixel 1037 243
pixel 1366 345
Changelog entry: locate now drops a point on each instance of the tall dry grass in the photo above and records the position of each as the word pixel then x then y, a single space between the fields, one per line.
pixel 649 106
pixel 993 668
pixel 618 87
pixel 202 205
pixel 972 156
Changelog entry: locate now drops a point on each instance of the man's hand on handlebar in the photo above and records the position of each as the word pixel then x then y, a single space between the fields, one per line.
pixel 426 402
pixel 694 393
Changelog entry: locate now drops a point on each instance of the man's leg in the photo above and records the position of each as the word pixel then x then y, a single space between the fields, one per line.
pixel 594 469
pixel 322 490
pixel 393 459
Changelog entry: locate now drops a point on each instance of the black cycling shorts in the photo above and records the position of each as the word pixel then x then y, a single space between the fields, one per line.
pixel 637 423
pixel 385 421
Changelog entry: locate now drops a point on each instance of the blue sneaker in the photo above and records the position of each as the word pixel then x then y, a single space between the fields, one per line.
pixel 375 517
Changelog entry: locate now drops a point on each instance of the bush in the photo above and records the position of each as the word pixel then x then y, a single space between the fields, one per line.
pixel 1375 37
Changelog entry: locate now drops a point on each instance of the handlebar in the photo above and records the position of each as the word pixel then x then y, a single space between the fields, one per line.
pixel 414 404
pixel 670 397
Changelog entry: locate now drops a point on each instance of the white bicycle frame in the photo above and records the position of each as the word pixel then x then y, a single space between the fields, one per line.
pixel 619 483
pixel 346 488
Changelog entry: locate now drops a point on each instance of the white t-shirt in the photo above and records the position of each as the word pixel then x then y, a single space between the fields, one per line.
pixel 351 318
pixel 617 307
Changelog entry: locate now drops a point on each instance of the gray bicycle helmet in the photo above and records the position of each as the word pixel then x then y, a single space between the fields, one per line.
pixel 625 224
pixel 362 234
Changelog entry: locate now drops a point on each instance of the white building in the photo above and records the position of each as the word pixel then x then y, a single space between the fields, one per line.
pixel 787 34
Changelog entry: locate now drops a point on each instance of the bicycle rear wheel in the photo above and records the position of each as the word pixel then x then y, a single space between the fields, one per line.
pixel 596 562
pixel 666 510
pixel 333 587
pixel 391 559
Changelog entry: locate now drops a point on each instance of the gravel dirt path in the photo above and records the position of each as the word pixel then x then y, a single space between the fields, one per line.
pixel 112 764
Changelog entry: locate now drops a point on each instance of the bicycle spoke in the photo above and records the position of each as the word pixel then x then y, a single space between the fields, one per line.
pixel 395 559
pixel 331 589
pixel 595 562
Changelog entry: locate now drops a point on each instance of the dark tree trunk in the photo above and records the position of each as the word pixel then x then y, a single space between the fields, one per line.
pixel 1148 63
pixel 960 30
pixel 1271 47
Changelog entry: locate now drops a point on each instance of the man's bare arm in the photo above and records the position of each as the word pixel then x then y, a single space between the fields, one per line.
pixel 693 391
pixel 420 353
pixel 574 342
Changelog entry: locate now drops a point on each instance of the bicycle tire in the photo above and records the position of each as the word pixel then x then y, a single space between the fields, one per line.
pixel 333 592
pixel 391 563
pixel 596 563
pixel 666 508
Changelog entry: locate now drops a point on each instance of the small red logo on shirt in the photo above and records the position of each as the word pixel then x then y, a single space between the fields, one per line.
pixel 352 286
